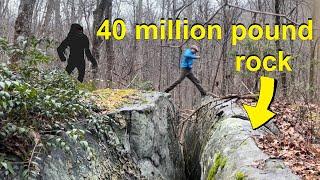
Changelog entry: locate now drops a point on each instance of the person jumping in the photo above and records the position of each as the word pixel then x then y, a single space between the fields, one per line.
pixel 188 57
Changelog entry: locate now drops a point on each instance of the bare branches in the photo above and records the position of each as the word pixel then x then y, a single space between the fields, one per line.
pixel 266 13
pixel 206 23
pixel 227 97
pixel 183 7
pixel 233 6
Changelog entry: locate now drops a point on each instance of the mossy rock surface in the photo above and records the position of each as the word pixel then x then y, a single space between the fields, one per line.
pixel 112 99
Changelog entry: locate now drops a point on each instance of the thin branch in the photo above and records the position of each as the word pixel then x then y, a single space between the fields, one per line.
pixel 261 12
pixel 171 46
pixel 227 97
pixel 206 23
pixel 183 7
pixel 246 87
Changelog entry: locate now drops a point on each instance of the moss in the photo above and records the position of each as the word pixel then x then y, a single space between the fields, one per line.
pixel 88 86
pixel 219 162
pixel 212 172
pixel 244 143
pixel 223 162
pixel 111 99
pixel 240 175
pixel 279 166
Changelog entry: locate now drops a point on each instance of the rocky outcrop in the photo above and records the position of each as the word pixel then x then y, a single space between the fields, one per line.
pixel 139 141
pixel 147 132
pixel 219 145
pixel 145 146
pixel 136 141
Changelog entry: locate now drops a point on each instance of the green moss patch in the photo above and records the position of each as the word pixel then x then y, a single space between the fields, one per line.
pixel 219 162
pixel 111 99
pixel 240 175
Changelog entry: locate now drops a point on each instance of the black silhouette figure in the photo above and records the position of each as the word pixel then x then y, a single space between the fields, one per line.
pixel 78 43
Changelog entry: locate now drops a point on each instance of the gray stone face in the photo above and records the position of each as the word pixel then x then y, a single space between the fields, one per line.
pixel 219 145
pixel 151 137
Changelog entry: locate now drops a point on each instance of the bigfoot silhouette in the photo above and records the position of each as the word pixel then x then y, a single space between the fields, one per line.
pixel 78 43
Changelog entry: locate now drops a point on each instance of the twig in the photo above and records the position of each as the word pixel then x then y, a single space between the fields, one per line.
pixel 32 154
pixel 237 96
pixel 262 12
pixel 231 96
pixel 206 23
pixel 246 87
pixel 171 46
pixel 134 78
pixel 183 7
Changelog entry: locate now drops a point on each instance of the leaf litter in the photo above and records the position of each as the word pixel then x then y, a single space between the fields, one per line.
pixel 298 142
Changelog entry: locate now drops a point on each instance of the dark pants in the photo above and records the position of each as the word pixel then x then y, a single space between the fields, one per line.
pixel 187 73
pixel 81 69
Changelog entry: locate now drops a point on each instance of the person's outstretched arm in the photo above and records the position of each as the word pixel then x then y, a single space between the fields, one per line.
pixel 63 46
pixel 89 55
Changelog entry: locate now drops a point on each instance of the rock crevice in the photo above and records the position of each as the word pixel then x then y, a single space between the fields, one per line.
pixel 220 145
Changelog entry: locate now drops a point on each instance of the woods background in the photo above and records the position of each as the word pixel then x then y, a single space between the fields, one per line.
pixel 155 64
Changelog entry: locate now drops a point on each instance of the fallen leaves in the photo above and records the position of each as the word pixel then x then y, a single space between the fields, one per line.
pixel 298 143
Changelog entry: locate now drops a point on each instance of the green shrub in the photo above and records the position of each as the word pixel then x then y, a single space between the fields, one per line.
pixel 36 108
pixel 50 95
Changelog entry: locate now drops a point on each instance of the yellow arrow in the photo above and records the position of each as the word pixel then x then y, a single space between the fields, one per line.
pixel 260 114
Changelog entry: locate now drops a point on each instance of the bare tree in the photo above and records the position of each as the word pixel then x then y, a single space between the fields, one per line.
pixel 24 20
pixel 98 17
pixel 23 24
pixel 47 17
pixel 109 48
pixel 315 54
pixel 277 7
pixel 57 19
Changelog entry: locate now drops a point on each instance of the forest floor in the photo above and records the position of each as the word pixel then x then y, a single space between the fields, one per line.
pixel 298 142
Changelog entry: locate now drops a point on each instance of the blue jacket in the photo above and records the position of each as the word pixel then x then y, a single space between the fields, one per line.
pixel 187 59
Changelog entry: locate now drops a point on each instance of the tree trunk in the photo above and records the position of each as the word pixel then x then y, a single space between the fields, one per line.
pixel 278 47
pixel 315 50
pixel 137 57
pixel 48 16
pixel 57 20
pixel 109 47
pixel 224 57
pixel 23 25
pixel 24 20
pixel 98 17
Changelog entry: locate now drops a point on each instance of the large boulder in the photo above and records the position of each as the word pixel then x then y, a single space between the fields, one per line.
pixel 148 133
pixel 143 133
pixel 219 144
pixel 136 140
